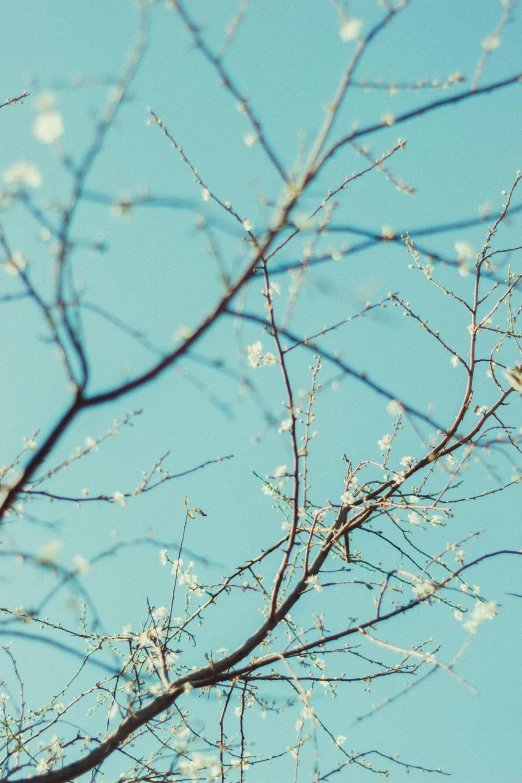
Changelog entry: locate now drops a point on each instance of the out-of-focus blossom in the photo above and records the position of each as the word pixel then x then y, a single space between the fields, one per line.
pixel 23 173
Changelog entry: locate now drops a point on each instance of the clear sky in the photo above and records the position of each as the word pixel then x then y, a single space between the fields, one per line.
pixel 149 266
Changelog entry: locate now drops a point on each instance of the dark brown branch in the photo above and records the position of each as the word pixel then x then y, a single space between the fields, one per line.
pixel 418 112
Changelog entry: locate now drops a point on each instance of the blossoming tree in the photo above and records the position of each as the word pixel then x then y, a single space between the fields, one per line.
pixel 300 533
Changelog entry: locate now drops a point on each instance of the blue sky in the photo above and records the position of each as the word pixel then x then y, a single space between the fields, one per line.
pixel 156 274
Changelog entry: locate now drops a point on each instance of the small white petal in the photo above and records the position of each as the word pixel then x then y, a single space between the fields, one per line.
pixel 350 30
pixel 48 127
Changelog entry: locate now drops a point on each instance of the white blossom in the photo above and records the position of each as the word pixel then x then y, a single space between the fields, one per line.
pixel 464 250
pixel 190 580
pixel 160 613
pixel 182 333
pixel 414 518
pixel 286 426
pixel 49 552
pixel 122 206
pixel 15 264
pixel 45 100
pixel 119 497
pixel 42 767
pixel 307 712
pixel 176 566
pixel 387 118
pixel 55 748
pixel 422 589
pixel 198 763
pixel 350 29
pixel 48 127
pixel 481 611
pixel 114 710
pixel 514 377
pixel 280 473
pixel 394 408
pixel 385 442
pixel 491 43
pixel 254 353
pixel 81 564
pixel 143 639
pixel 315 583
pixel 23 173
